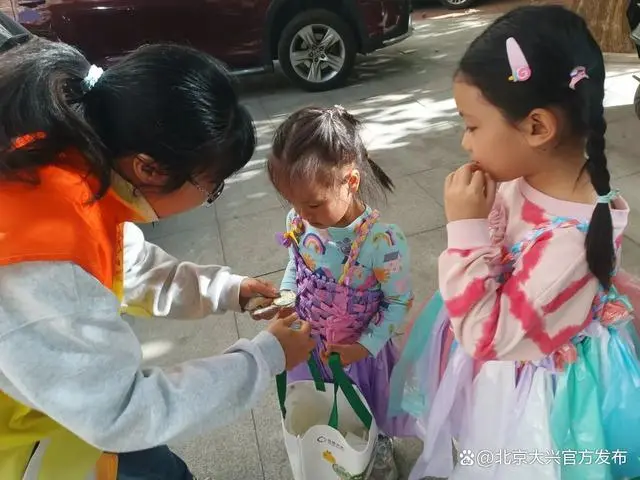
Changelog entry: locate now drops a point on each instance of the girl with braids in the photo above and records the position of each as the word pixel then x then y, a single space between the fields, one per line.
pixel 526 357
pixel 350 270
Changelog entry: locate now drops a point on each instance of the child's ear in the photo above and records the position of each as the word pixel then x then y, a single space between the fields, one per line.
pixel 540 128
pixel 147 171
pixel 354 180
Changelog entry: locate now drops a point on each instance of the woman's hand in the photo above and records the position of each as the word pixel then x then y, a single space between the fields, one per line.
pixel 256 287
pixel 262 307
pixel 348 353
pixel 295 338
pixel 468 193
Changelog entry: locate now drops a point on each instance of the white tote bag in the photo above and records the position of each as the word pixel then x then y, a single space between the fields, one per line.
pixel 329 431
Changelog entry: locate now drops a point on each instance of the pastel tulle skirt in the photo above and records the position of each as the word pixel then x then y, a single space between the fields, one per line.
pixel 522 420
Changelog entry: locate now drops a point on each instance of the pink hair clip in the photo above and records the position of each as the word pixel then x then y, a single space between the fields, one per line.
pixel 520 70
pixel 577 75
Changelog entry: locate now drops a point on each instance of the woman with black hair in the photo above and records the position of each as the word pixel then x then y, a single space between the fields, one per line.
pixel 83 153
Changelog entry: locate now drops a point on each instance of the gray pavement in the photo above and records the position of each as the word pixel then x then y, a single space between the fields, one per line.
pixel 411 126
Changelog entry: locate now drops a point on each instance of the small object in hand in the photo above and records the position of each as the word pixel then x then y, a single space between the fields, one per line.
pixel 287 298
pixel 265 313
pixel 258 302
pixel 263 308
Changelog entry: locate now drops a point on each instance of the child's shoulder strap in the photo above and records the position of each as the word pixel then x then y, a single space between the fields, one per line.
pixel 362 232
pixel 539 231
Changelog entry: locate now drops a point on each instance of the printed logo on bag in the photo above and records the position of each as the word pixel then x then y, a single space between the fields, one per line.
pixel 342 473
pixel 326 440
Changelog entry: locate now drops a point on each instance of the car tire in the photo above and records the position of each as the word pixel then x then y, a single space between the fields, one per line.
pixel 321 68
pixel 457 4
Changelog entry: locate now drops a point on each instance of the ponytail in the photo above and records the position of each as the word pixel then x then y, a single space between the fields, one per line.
pixel 379 174
pixel 41 95
pixel 383 179
pixel 344 115
pixel 599 242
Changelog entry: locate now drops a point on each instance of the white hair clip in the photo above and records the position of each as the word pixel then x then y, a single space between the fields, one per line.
pixel 92 77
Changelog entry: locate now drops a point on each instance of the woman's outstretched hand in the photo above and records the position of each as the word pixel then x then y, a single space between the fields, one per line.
pixel 256 287
pixel 294 336
pixel 469 193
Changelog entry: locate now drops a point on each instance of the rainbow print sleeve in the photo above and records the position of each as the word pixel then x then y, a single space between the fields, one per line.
pixel 289 279
pixel 521 314
pixel 391 267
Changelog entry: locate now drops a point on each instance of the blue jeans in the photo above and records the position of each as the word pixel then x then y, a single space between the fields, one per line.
pixel 157 463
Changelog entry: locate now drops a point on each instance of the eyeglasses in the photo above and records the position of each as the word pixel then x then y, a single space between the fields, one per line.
pixel 210 196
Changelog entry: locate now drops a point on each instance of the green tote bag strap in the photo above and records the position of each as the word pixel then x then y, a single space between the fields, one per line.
pixel 342 381
pixel 281 383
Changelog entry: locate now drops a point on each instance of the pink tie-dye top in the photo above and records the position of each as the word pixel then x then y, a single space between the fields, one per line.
pixel 548 296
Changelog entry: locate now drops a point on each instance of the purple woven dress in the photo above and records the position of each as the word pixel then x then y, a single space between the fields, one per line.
pixel 339 314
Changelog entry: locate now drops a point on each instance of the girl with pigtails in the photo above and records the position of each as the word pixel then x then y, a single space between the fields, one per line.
pixel 347 269
pixel 526 358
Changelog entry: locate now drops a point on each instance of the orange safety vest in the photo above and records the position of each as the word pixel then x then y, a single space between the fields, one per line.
pixel 56 220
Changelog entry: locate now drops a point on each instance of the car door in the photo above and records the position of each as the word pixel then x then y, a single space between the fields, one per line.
pixel 235 31
pixel 107 29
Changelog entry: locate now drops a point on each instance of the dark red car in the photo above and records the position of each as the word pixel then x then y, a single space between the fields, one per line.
pixel 315 41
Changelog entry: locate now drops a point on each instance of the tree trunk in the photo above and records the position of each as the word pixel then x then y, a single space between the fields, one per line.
pixel 607 20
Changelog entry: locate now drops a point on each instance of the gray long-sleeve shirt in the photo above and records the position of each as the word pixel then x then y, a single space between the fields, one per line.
pixel 65 350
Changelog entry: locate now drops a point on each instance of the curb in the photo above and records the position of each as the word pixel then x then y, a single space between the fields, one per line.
pixel 621 58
